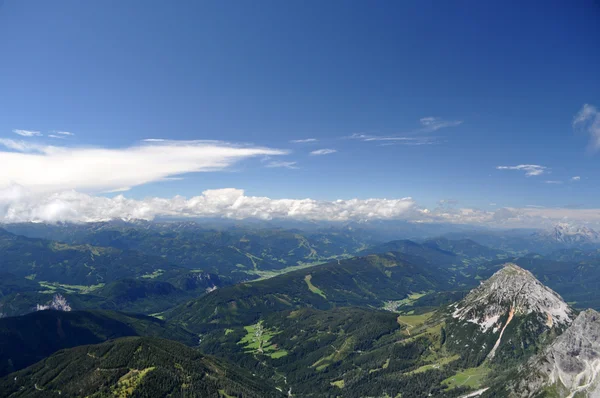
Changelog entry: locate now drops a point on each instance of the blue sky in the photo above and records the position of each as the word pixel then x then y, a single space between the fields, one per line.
pixel 503 80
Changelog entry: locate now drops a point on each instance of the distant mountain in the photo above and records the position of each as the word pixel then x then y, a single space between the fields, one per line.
pixel 568 367
pixel 88 276
pixel 570 234
pixel 507 317
pixel 27 339
pixel 144 295
pixel 518 242
pixel 134 366
pixel 431 253
pixel 466 249
pixel 44 260
pixel 236 252
pixel 442 251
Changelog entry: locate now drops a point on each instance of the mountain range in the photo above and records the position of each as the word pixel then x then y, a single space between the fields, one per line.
pixel 437 317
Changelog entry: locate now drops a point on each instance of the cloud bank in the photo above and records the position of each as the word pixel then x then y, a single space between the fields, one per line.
pixel 47 168
pixel 20 205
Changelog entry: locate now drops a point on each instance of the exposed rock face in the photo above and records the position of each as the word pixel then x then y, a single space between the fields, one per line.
pixel 516 289
pixel 569 366
pixel 58 303
pixel 512 312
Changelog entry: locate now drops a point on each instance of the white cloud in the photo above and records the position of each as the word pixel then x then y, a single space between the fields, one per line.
pixel 46 168
pixel 282 164
pixel 27 133
pixel 575 178
pixel 19 205
pixel 428 125
pixel 529 169
pixel 325 151
pixel 431 124
pixel 60 134
pixel 395 140
pixel 588 121
pixel 306 140
pixel 553 182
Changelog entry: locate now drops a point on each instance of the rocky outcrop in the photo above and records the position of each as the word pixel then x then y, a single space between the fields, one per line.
pixel 568 367
pixel 58 303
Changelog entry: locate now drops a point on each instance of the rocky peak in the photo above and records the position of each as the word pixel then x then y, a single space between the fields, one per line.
pixel 568 233
pixel 516 291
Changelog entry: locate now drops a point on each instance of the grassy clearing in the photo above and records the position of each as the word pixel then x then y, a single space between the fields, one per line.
pixel 384 366
pixel 154 274
pixel 271 273
pixel 258 341
pixel 53 287
pixel 471 378
pixel 278 354
pixel 413 321
pixel 338 383
pixel 127 384
pixel 436 365
pixel 432 332
pixel 266 274
pixel 312 287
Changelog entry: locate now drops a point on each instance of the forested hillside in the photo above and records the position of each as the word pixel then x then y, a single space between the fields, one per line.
pixel 27 339
pixel 133 366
